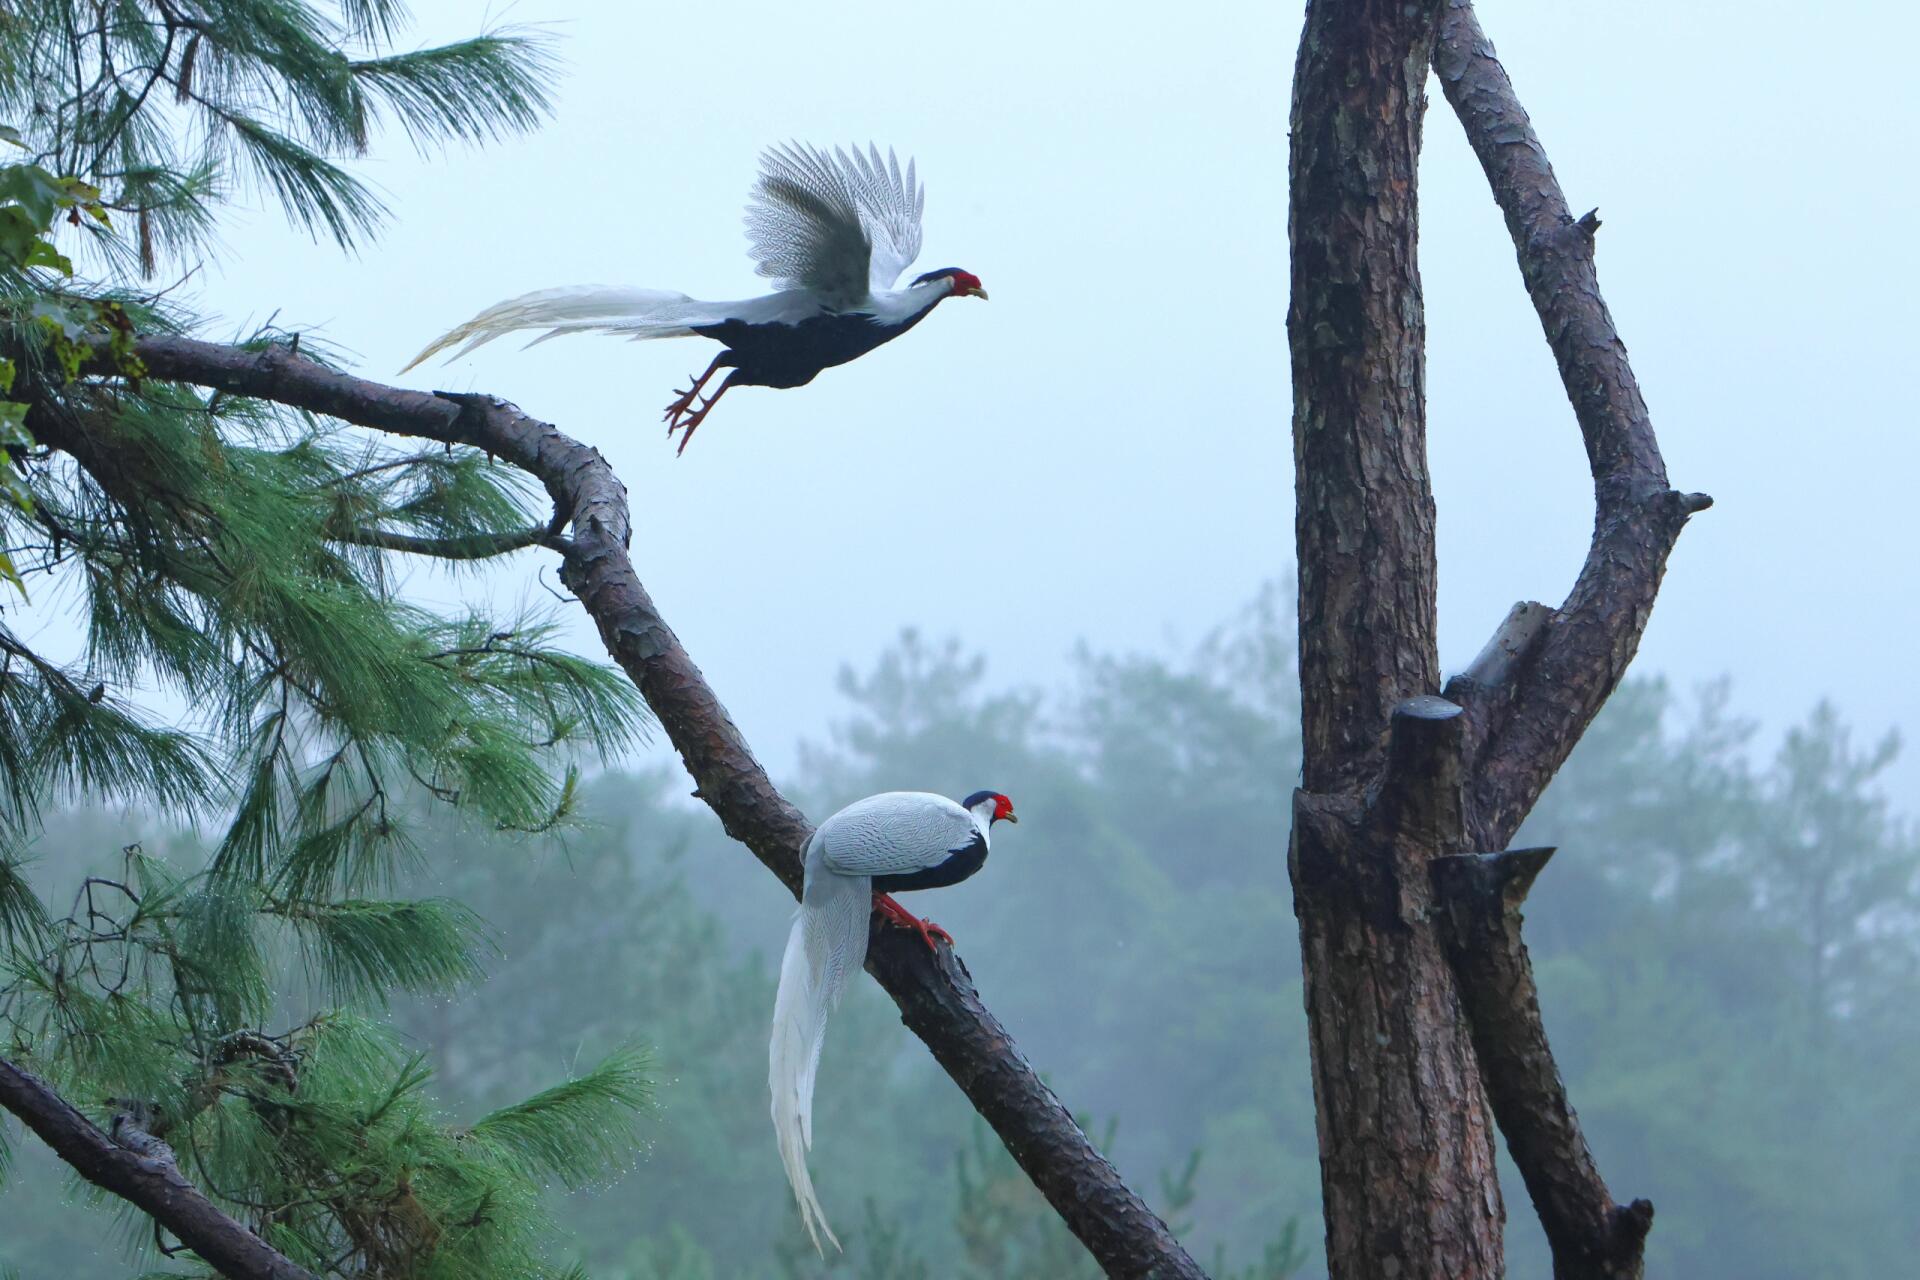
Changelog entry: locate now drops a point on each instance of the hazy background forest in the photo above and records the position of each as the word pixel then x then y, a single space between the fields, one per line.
pixel 1727 948
pixel 1729 942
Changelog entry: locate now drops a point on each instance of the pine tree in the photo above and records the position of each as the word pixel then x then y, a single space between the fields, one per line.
pixel 239 559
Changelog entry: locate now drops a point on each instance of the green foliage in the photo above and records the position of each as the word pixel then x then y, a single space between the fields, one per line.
pixel 361 950
pixel 168 109
pixel 156 992
pixel 234 574
pixel 564 1131
pixel 1673 935
pixel 248 663
pixel 30 200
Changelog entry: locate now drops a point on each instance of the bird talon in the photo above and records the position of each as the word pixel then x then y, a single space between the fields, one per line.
pixel 896 914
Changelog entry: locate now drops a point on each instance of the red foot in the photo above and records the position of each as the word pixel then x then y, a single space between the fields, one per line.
pixel 682 402
pixel 899 915
pixel 690 421
pixel 682 415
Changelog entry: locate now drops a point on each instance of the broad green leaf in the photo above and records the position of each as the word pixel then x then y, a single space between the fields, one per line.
pixel 34 189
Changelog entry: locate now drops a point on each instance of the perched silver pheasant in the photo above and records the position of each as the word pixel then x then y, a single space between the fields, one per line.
pixel 897 840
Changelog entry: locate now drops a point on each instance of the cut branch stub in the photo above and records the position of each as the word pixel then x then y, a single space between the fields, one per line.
pixel 1421 795
pixel 1493 667
pixel 1478 897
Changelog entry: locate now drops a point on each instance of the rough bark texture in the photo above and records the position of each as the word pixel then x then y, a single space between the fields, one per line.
pixel 1357 330
pixel 1585 646
pixel 1547 672
pixel 1394 778
pixel 1406 1141
pixel 936 997
pixel 141 1171
pixel 1480 895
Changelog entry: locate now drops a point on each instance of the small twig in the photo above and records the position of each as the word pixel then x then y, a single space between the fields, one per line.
pixel 478 546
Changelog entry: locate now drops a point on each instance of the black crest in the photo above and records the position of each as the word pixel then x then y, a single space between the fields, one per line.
pixel 942 274
pixel 977 796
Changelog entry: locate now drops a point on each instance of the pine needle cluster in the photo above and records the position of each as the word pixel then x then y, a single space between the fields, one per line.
pixel 170 107
pixel 249 661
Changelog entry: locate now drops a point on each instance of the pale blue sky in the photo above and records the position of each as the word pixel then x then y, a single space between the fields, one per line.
pixel 1102 450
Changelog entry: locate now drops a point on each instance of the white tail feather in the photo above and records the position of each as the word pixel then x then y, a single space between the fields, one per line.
pixel 828 942
pixel 632 313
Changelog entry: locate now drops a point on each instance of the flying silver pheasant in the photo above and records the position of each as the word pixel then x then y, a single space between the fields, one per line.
pixel 897 840
pixel 835 231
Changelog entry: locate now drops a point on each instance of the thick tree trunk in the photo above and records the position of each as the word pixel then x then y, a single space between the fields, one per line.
pixel 1424 1024
pixel 1406 1139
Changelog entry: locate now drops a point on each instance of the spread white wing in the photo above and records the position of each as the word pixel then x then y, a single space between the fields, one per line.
pixel 841 226
pixel 894 833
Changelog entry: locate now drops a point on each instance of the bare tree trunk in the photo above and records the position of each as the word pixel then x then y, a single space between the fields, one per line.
pixel 1406 1140
pixel 1423 1018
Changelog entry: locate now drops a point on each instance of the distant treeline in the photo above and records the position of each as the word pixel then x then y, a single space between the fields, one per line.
pixel 1727 947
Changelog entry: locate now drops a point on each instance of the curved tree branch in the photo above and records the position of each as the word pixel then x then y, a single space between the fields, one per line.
pixel 936 999
pixel 1539 683
pixel 1585 646
pixel 139 1169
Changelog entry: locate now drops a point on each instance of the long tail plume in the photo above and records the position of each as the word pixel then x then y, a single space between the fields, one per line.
pixel 828 942
pixel 631 313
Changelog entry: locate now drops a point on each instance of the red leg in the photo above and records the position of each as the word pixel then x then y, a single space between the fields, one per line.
pixel 683 400
pixel 927 929
pixel 698 416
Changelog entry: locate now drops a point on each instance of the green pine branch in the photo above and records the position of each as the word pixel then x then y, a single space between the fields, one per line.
pixel 162 105
pixel 578 1130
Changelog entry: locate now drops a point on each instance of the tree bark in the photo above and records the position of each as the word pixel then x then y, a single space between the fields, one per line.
pixel 1406 1140
pixel 1591 1237
pixel 1583 648
pixel 1420 995
pixel 936 997
pixel 145 1177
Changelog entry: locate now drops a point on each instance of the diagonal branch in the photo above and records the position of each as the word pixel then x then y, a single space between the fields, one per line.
pixel 1585 646
pixel 1479 895
pixel 1533 691
pixel 140 1170
pixel 937 1003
